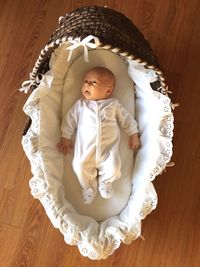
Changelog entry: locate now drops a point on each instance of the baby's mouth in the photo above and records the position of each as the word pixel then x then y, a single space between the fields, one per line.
pixel 87 92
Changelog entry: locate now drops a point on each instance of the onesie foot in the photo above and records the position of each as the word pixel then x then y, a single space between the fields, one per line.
pixel 88 195
pixel 106 190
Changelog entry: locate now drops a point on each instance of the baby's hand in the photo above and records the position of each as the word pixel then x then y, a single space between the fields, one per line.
pixel 135 142
pixel 65 146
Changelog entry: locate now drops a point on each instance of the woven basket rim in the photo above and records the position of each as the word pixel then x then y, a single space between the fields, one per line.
pixel 62 33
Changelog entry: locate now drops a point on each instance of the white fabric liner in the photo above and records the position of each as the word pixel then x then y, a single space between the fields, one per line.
pixel 99 228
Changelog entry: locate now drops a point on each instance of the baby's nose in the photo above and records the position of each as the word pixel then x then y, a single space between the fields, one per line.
pixel 88 83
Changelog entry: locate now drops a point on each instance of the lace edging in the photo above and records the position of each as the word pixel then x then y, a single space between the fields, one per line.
pixel 98 248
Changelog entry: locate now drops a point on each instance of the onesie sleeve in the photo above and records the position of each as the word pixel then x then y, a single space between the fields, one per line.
pixel 69 123
pixel 126 120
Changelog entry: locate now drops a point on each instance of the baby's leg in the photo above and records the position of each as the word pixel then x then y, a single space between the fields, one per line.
pixel 87 175
pixel 109 171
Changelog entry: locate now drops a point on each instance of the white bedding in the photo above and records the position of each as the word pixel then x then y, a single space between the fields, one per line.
pixel 61 97
pixel 99 228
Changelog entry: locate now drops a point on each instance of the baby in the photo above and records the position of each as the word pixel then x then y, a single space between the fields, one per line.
pixel 95 119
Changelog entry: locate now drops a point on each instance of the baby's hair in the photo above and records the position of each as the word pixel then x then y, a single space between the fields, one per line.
pixel 104 71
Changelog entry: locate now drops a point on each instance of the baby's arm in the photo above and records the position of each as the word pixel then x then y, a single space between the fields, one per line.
pixel 68 129
pixel 65 145
pixel 129 124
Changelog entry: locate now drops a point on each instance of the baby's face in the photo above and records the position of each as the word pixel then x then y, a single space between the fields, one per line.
pixel 96 86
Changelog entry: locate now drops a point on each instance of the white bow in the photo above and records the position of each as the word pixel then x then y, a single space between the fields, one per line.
pixel 26 85
pixel 85 43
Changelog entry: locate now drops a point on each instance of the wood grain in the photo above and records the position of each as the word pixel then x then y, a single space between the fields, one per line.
pixel 172 232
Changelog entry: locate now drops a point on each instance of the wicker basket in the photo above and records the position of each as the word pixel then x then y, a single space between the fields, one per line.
pixel 115 32
pixel 118 35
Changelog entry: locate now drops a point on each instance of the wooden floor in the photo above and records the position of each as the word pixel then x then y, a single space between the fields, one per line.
pixel 172 231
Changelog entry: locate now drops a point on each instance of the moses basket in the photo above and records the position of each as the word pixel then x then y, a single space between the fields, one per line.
pixel 85 38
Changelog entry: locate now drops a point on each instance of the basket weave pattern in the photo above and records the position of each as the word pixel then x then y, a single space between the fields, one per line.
pixel 111 27
pixel 114 30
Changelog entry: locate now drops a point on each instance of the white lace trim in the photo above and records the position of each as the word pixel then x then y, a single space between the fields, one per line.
pixel 108 235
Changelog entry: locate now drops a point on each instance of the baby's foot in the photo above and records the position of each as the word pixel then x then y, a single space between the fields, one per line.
pixel 106 190
pixel 88 195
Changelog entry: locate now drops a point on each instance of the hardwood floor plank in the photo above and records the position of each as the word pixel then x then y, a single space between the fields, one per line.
pixel 9 237
pixel 5 207
pixel 25 254
pixel 11 150
pixel 15 202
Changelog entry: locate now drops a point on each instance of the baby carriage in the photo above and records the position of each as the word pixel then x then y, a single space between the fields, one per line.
pixel 85 38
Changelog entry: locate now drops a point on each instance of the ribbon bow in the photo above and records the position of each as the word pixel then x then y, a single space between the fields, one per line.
pixel 86 42
pixel 26 85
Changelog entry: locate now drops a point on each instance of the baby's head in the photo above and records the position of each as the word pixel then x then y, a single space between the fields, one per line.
pixel 98 84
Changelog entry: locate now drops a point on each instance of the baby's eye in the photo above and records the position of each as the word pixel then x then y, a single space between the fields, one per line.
pixel 94 82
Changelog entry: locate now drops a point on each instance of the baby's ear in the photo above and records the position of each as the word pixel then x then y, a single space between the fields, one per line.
pixel 109 91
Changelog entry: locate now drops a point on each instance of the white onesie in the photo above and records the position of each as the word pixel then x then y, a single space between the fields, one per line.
pixel 96 124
